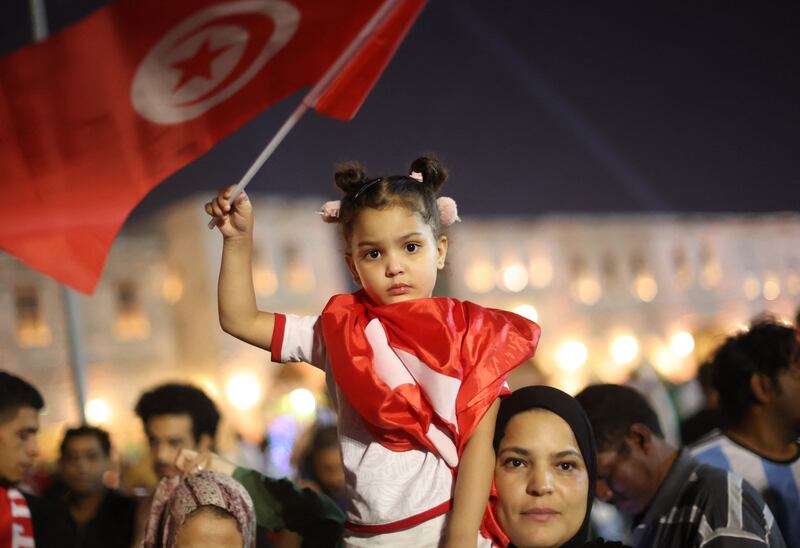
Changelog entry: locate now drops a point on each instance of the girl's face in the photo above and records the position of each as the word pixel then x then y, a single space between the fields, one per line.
pixel 393 254
pixel 542 482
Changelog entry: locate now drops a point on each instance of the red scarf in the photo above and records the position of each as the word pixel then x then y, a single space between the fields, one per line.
pixel 427 371
pixel 16 527
pixel 490 526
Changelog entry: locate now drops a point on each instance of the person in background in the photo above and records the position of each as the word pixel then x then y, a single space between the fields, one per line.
pixel 544 478
pixel 757 374
pixel 24 519
pixel 99 517
pixel 279 504
pixel 174 416
pixel 321 465
pixel 203 510
pixel 709 417
pixel 676 501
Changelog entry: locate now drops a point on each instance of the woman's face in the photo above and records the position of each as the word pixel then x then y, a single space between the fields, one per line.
pixel 542 482
pixel 206 529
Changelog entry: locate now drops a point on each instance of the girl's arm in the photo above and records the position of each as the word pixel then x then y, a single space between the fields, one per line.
pixel 473 483
pixel 236 297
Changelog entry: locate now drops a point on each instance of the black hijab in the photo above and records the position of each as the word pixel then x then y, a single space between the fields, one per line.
pixel 568 408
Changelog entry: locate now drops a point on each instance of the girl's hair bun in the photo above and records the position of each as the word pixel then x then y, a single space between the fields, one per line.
pixel 350 177
pixel 434 174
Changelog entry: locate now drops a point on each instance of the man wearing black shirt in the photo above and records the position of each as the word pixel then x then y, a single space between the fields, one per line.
pixel 99 517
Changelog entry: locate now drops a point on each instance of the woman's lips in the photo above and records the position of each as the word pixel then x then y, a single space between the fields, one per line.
pixel 540 515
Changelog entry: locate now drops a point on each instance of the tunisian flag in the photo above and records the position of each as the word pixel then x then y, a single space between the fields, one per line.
pixel 423 373
pixel 93 118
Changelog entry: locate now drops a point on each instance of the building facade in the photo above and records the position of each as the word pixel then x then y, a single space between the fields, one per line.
pixel 613 294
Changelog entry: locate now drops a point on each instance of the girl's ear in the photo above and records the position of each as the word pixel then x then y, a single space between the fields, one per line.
pixel 441 252
pixel 351 265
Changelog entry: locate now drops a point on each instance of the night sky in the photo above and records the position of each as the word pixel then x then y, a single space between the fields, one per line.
pixel 543 107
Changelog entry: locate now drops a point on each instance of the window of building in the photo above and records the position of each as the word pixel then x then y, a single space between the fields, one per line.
pixel 32 329
pixel 131 323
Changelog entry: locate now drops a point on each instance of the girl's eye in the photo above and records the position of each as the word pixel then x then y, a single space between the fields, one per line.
pixel 372 254
pixel 412 247
pixel 513 463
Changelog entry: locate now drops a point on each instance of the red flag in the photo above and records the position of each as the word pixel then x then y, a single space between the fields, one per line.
pixel 430 372
pixel 93 118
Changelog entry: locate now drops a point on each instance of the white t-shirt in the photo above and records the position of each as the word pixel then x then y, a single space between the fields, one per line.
pixel 386 490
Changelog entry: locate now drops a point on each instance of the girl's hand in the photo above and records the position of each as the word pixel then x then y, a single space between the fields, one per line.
pixel 236 222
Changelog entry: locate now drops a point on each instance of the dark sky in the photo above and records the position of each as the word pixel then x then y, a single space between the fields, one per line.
pixel 559 106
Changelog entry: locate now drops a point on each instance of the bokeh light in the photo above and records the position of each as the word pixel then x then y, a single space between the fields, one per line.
pixel 681 344
pixel 527 311
pixel 751 287
pixel 711 275
pixel 571 355
pixel 98 411
pixel 302 402
pixel 645 288
pixel 479 277
pixel 515 278
pixel 172 288
pixel 540 272
pixel 243 391
pixel 772 287
pixel 624 349
pixel 265 281
pixel 588 290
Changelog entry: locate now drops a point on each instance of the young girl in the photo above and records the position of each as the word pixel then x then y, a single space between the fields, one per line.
pixel 414 379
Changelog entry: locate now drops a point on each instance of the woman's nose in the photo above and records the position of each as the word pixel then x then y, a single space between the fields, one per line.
pixel 540 481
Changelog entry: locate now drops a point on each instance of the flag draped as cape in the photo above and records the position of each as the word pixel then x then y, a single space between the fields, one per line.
pixel 422 373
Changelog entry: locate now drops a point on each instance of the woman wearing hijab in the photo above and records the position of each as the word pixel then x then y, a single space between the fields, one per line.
pixel 545 472
pixel 206 509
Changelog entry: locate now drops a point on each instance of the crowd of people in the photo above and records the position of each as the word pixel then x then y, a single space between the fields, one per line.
pixel 430 447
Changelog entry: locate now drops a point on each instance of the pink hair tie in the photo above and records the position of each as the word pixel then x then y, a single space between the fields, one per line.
pixel 448 211
pixel 330 211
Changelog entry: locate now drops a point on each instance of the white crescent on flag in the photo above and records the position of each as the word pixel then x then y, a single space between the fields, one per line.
pixel 396 367
pixel 209 56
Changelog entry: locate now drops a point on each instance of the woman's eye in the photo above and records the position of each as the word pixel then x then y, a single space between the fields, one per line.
pixel 514 463
pixel 411 248
pixel 566 466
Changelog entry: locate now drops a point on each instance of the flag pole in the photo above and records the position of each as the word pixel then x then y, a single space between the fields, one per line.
pixel 311 98
pixel 77 352
pixel 38 19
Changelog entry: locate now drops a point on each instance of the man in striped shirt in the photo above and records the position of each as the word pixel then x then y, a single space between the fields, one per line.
pixel 675 501
pixel 757 375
